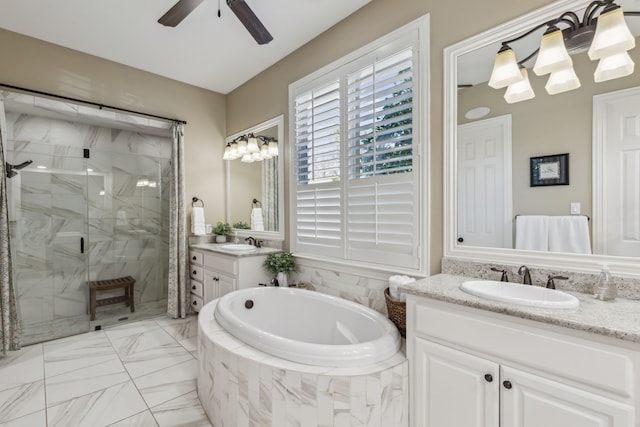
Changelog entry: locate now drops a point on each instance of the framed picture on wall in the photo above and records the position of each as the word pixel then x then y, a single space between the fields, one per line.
pixel 549 170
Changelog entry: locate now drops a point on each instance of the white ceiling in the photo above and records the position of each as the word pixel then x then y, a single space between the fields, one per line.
pixel 206 51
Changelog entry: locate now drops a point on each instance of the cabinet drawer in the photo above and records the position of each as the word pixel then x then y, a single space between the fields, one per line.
pixel 196 288
pixel 221 263
pixel 195 272
pixel 196 258
pixel 196 302
pixel 548 351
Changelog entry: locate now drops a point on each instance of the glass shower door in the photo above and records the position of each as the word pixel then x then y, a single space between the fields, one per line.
pixel 47 200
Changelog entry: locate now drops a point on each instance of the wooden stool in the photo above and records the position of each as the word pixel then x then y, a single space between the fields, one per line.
pixel 105 285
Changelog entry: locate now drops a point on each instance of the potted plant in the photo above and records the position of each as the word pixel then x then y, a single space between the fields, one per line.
pixel 221 230
pixel 241 225
pixel 280 264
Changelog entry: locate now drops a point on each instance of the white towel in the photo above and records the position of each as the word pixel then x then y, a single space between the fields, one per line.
pixel 198 227
pixel 569 234
pixel 257 223
pixel 395 282
pixel 532 232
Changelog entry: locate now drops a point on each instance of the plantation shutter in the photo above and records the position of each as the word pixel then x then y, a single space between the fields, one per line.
pixel 318 209
pixel 382 224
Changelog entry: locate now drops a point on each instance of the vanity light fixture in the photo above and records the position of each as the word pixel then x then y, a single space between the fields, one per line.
pixel 251 148
pixel 602 30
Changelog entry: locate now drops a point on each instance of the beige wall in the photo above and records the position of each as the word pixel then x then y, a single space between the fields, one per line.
pixel 547 125
pixel 266 95
pixel 37 65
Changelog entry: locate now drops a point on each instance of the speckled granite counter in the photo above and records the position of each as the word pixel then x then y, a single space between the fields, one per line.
pixel 217 247
pixel 619 319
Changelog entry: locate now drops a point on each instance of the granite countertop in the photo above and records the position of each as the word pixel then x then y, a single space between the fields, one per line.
pixel 618 319
pixel 217 247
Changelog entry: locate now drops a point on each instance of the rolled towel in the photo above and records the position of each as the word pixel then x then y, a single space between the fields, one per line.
pixel 395 282
pixel 198 227
pixel 257 223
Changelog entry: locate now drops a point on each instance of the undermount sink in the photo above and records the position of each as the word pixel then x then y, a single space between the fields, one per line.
pixel 239 248
pixel 515 293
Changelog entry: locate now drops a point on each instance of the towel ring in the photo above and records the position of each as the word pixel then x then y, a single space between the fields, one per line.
pixel 195 200
pixel 256 202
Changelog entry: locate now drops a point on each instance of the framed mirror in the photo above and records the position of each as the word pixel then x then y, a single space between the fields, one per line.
pixel 572 123
pixel 255 190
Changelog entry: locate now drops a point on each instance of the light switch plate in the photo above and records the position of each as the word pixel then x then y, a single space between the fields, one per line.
pixel 575 208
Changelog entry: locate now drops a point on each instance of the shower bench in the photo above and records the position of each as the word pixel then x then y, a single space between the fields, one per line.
pixel 125 283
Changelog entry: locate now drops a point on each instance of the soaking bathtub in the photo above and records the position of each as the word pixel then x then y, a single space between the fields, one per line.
pixel 285 356
pixel 308 327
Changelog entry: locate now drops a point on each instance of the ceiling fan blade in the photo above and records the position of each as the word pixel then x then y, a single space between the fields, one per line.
pixel 178 12
pixel 250 21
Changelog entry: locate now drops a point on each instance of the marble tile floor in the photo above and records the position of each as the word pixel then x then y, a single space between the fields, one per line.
pixel 136 374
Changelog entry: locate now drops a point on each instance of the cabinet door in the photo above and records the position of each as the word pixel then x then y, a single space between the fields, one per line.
pixel 531 401
pixel 453 388
pixel 217 284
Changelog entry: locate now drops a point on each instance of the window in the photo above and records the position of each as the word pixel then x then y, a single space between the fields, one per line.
pixel 356 132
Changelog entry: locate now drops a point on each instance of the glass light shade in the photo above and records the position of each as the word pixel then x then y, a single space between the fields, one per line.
pixel 227 153
pixel 233 151
pixel 247 158
pixel 613 67
pixel 612 35
pixel 153 184
pixel 553 55
pixel 256 157
pixel 505 70
pixel 519 91
pixel 264 151
pixel 242 147
pixel 252 145
pixel 142 182
pixel 562 81
pixel 273 148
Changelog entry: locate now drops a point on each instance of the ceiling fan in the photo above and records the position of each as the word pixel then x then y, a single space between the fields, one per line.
pixel 180 10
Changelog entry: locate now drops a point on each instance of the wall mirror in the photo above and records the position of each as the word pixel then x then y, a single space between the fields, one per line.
pixel 255 190
pixel 480 127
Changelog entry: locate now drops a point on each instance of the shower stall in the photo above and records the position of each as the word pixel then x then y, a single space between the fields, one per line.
pixel 88 200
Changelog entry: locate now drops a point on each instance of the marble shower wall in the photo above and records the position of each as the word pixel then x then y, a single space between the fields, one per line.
pixel 117 199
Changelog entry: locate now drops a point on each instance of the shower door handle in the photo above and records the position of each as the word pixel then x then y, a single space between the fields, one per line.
pixel 82 245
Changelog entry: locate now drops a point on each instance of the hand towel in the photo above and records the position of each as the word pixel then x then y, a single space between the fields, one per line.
pixel 532 232
pixel 198 227
pixel 257 223
pixel 395 282
pixel 569 234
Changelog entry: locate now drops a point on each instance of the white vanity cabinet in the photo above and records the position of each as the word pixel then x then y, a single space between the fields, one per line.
pixel 216 274
pixel 475 368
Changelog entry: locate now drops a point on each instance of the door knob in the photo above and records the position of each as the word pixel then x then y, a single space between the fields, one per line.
pixel 460 240
pixel 488 377
pixel 507 385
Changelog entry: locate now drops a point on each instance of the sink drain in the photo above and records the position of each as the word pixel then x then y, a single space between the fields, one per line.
pixel 248 304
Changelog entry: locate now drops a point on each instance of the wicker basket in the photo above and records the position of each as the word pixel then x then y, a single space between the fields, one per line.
pixel 397 312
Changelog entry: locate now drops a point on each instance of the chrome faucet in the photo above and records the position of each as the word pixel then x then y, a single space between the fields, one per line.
pixel 526 275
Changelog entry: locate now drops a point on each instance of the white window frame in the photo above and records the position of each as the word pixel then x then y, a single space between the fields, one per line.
pixel 416 35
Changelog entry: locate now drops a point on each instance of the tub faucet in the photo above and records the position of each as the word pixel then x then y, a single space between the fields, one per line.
pixel 526 275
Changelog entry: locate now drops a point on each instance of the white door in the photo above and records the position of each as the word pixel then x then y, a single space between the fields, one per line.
pixel 531 401
pixel 484 183
pixel 453 388
pixel 616 219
